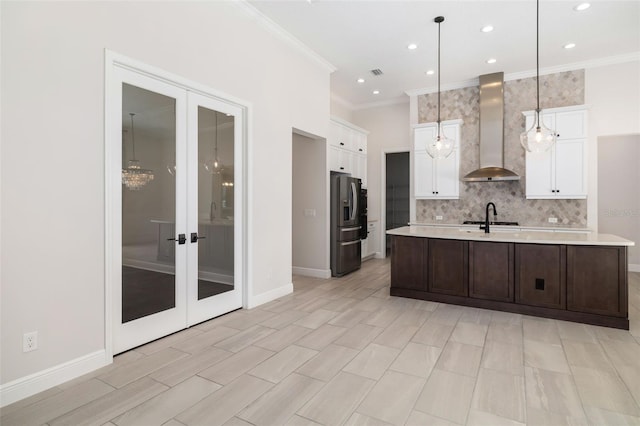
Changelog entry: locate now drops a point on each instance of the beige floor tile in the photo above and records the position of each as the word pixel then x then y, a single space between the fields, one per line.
pixel 447 395
pixel 416 359
pixel 433 334
pixel 168 404
pixel 608 333
pixel 19 405
pixel 583 354
pixel 469 333
pixel 338 399
pixel 236 365
pixel 133 371
pixel 238 342
pixel 604 390
pixel 631 377
pixel 283 363
pixel 341 305
pixel 282 338
pixel 546 356
pixel 321 337
pixel 446 314
pixel 300 421
pixel 598 416
pixel 172 340
pixel 280 403
pixel 370 304
pixel 358 419
pixel 359 336
pixel 316 318
pixel 182 369
pixel 505 318
pixel 505 333
pixel 349 318
pixel 328 363
pixel 476 316
pixel 383 317
pixel 501 394
pixel 412 318
pixel 118 361
pixel 503 357
pixel 310 305
pixel 460 358
pixel 57 404
pixel 536 417
pixel 372 361
pixel 283 319
pixel 541 330
pixel 396 335
pixel 111 405
pixel 418 418
pixel 392 398
pixel 222 405
pixel 553 392
pixel 235 421
pixel 206 339
pixel 576 332
pixel 361 293
pixel 250 318
pixel 481 418
pixel 623 353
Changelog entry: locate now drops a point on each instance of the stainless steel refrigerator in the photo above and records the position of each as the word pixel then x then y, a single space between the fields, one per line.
pixel 348 219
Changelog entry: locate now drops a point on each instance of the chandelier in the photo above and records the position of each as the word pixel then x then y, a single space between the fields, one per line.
pixel 213 165
pixel 135 177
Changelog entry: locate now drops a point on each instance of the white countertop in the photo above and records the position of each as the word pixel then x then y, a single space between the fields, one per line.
pixel 550 227
pixel 533 237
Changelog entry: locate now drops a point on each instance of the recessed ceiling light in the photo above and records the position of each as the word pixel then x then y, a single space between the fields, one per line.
pixel 491 61
pixel 412 46
pixel 360 80
pixel 487 29
pixel 430 72
pixel 375 92
pixel 581 7
pixel 569 45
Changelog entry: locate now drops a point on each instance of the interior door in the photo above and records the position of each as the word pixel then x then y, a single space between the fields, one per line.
pixel 214 212
pixel 150 293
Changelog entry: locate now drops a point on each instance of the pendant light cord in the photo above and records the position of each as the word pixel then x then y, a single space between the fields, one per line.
pixel 133 136
pixel 538 59
pixel 438 75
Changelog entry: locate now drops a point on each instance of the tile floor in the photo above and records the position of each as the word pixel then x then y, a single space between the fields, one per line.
pixel 342 351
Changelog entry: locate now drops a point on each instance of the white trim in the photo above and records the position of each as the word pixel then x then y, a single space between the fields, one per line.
pixel 270 295
pixel 348 124
pixel 600 62
pixel 311 272
pixel 387 102
pixel 634 267
pixel 283 34
pixel 382 232
pixel 42 380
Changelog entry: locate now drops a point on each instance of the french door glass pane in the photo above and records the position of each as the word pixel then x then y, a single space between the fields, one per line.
pixel 148 203
pixel 215 202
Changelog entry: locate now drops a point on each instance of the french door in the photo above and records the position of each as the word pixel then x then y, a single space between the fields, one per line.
pixel 178 238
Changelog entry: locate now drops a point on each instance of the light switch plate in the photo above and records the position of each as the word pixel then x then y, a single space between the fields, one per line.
pixel 438 217
pixel 553 220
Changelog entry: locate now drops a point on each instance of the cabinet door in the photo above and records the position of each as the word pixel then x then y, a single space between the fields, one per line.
pixel 539 174
pixel 340 160
pixel 491 271
pixel 360 168
pixel 597 280
pixel 447 180
pixel 408 262
pixel 540 275
pixel 423 175
pixel 334 134
pixel 360 142
pixel 571 125
pixel 448 262
pixel 421 136
pixel 569 169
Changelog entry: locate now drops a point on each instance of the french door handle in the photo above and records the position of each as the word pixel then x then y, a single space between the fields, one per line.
pixel 195 238
pixel 182 238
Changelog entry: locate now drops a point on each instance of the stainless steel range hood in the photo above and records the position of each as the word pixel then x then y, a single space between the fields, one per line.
pixel 491 132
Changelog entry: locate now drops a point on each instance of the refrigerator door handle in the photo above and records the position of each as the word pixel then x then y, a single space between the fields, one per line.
pixel 355 228
pixel 354 198
pixel 348 243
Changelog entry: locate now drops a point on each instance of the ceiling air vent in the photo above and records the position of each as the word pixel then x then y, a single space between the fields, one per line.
pixel 376 72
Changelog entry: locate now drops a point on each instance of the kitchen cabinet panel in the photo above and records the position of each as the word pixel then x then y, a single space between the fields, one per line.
pixel 448 267
pixel 491 271
pixel 570 166
pixel 540 275
pixel 408 263
pixel 348 149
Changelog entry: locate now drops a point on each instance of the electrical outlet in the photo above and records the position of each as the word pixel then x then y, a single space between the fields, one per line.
pixel 438 217
pixel 553 220
pixel 30 341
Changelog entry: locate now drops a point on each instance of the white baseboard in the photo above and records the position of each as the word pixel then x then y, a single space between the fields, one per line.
pixel 310 272
pixel 634 267
pixel 270 295
pixel 32 384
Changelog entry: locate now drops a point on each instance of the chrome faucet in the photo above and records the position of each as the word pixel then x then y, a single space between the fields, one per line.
pixel 486 217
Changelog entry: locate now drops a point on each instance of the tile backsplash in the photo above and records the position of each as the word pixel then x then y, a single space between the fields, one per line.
pixel 556 90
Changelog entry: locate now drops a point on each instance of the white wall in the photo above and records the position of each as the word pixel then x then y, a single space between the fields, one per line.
pixel 389 130
pixel 310 236
pixel 613 95
pixel 53 150
pixel 341 110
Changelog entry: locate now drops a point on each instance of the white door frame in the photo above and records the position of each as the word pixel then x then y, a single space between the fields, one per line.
pixel 113 143
pixel 383 194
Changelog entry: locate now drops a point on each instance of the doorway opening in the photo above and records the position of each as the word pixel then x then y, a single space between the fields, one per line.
pixel 396 197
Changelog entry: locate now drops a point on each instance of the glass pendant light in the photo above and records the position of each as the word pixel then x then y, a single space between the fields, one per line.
pixel 538 138
pixel 440 146
pixel 135 177
pixel 213 165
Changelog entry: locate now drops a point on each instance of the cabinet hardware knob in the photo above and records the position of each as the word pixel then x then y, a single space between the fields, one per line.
pixel 341 143
pixel 341 168
pixel 360 149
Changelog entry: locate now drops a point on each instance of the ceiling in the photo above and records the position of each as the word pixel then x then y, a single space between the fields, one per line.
pixel 358 36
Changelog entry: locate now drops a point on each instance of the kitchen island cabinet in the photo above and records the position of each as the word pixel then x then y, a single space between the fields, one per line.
pixel 567 276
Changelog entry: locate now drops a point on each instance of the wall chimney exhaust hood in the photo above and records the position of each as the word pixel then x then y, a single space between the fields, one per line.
pixel 491 132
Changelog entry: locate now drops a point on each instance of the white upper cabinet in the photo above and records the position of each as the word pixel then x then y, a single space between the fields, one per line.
pixel 561 171
pixel 436 179
pixel 348 149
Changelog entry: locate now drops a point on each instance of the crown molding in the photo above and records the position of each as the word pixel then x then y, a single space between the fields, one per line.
pixel 594 63
pixel 387 102
pixel 283 34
